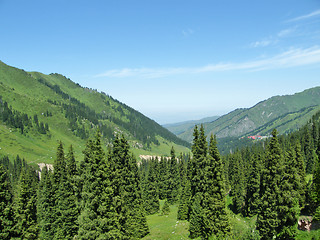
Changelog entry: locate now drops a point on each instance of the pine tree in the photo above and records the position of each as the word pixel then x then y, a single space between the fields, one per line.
pixel 217 222
pixel 252 200
pixel 196 227
pixel 163 178
pixel 184 203
pixel 268 220
pixel 289 199
pixel 151 195
pixel 208 214
pixel 301 170
pixel 173 179
pixel 238 183
pixel 98 219
pixel 127 197
pixel 59 164
pixel 46 205
pixel 66 208
pixel 71 167
pixel 316 191
pixel 6 210
pixel 25 205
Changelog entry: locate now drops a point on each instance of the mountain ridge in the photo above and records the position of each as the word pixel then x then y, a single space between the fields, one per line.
pixel 180 127
pixel 270 113
pixel 73 114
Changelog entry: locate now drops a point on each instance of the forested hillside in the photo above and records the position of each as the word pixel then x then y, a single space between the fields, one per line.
pixel 286 113
pixel 271 185
pixel 37 110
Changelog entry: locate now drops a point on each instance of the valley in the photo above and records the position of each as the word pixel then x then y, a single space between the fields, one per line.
pixel 99 157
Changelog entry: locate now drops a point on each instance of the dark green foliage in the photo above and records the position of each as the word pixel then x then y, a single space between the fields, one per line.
pixel 25 205
pixel 163 182
pixel 208 215
pixel 184 203
pixel 268 218
pixel 19 120
pixel 289 199
pixel 299 164
pixel 214 204
pixel 71 168
pixel 280 201
pixel 66 209
pixel 238 183
pixel 316 189
pixel 98 218
pixel 166 208
pixel 196 227
pixel 67 212
pixel 46 205
pixel 6 210
pixel 150 192
pixel 173 178
pixel 252 200
pixel 59 164
pixel 127 199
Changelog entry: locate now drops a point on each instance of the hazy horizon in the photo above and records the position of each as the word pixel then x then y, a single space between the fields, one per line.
pixel 171 60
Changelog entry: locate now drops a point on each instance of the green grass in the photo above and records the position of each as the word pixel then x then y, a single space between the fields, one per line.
pixel 24 93
pixel 167 226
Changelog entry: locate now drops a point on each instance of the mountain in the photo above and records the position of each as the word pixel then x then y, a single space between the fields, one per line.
pixel 286 113
pixel 180 127
pixel 38 110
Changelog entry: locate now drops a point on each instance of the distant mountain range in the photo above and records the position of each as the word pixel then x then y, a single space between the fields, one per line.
pixel 285 113
pixel 38 110
pixel 181 127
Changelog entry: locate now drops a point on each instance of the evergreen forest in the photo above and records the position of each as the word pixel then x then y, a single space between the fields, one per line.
pixel 93 184
pixel 106 195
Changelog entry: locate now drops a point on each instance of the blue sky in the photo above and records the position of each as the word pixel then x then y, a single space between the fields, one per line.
pixel 171 60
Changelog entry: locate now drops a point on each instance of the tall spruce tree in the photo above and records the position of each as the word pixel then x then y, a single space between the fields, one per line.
pixel 25 205
pixel 66 226
pixel 163 178
pixel 238 183
pixel 98 219
pixel 217 221
pixel 184 203
pixel 46 205
pixel 252 199
pixel 268 220
pixel 173 179
pixel 301 171
pixel 208 214
pixel 6 209
pixel 151 194
pixel 127 199
pixel 289 199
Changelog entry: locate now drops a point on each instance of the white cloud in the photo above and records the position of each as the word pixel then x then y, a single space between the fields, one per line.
pixel 262 43
pixel 285 32
pixel 312 14
pixel 187 32
pixel 292 58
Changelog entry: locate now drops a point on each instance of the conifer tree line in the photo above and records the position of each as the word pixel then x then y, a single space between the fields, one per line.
pixel 196 184
pixel 22 121
pixel 99 199
pixel 269 180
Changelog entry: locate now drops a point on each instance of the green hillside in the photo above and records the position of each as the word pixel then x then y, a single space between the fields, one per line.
pixel 286 113
pixel 178 128
pixel 30 102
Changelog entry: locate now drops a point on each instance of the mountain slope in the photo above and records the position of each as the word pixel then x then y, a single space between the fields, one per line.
pixel 178 128
pixel 32 101
pixel 287 113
